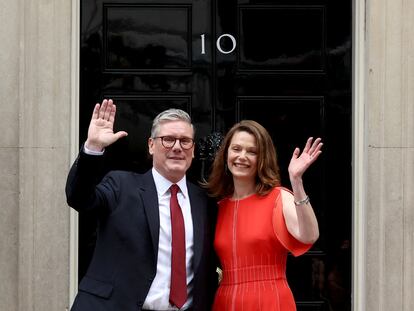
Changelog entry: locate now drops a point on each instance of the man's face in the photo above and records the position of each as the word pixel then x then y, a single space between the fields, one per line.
pixel 172 163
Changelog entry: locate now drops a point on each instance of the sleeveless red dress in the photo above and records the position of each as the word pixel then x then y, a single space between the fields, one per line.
pixel 252 242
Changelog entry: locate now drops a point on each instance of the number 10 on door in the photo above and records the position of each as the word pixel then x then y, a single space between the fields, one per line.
pixel 218 43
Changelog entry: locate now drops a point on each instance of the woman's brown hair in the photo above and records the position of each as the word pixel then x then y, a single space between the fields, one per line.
pixel 220 181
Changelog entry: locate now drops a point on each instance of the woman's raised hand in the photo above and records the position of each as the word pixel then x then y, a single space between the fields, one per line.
pixel 300 162
pixel 101 128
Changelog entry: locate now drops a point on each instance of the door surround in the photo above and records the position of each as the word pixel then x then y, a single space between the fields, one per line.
pixel 74 143
pixel 359 156
pixel 359 152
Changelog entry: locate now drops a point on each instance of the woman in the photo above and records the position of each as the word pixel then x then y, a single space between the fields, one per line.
pixel 259 222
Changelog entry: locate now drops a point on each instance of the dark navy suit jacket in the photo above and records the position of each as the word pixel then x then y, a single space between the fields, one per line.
pixel 124 262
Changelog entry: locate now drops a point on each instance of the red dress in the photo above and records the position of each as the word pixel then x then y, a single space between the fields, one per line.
pixel 252 243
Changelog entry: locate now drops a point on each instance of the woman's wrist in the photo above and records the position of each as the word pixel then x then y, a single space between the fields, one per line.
pixel 302 201
pixel 296 182
pixel 299 191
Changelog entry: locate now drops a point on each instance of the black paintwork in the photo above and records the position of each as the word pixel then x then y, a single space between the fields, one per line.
pixel 291 71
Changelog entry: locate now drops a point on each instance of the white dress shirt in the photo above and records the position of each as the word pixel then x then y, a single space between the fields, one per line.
pixel 158 295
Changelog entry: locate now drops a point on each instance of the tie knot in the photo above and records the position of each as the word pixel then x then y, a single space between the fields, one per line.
pixel 174 189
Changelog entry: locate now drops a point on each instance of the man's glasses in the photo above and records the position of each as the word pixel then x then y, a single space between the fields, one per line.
pixel 169 142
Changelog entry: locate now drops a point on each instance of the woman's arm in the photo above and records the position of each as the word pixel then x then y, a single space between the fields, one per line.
pixel 298 212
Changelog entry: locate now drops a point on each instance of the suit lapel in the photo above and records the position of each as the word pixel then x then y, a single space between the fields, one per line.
pixel 197 208
pixel 150 198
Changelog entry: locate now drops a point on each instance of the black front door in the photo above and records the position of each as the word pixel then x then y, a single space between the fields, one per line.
pixel 285 64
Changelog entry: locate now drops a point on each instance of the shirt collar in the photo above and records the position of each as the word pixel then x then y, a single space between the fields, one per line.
pixel 163 184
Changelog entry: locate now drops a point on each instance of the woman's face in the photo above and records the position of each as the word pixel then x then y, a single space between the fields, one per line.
pixel 242 156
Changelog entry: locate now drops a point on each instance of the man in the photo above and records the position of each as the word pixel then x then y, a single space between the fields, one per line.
pixel 154 242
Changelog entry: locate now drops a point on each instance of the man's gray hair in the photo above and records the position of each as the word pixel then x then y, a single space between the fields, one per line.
pixel 169 115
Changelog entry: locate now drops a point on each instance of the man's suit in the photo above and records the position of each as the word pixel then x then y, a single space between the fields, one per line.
pixel 124 262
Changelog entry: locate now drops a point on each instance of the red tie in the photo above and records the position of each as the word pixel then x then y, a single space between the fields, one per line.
pixel 178 290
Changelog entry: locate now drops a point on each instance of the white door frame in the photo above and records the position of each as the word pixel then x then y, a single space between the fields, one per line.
pixel 359 156
pixel 359 152
pixel 74 143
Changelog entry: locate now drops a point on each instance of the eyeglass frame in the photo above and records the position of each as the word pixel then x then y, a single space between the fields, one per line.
pixel 175 140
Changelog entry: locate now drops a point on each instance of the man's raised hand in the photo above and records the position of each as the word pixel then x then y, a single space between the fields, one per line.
pixel 101 128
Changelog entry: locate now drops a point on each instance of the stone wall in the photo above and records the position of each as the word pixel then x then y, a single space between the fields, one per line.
pixel 34 154
pixel 390 155
pixel 9 154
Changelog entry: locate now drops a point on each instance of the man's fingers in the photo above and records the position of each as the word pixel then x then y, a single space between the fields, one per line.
pixel 112 114
pixel 120 134
pixel 103 108
pixel 108 110
pixel 95 112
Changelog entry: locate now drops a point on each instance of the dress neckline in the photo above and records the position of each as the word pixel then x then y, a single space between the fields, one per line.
pixel 244 198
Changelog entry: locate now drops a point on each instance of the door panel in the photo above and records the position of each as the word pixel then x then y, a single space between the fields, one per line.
pixel 142 55
pixel 281 38
pixel 289 69
pixel 292 73
pixel 147 37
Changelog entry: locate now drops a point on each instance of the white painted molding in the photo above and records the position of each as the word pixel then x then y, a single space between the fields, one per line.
pixel 359 156
pixel 74 143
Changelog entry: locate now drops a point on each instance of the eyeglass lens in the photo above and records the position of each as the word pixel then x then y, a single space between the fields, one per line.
pixel 169 142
